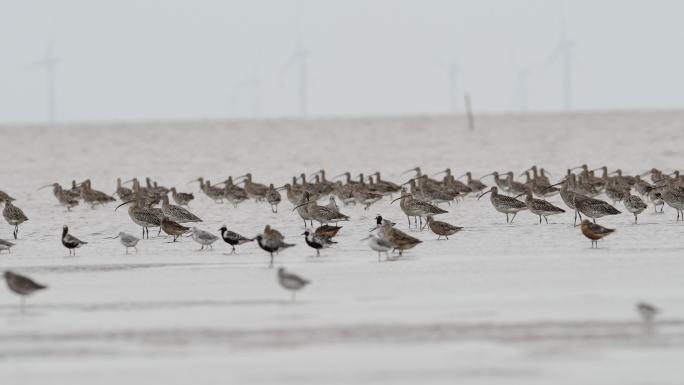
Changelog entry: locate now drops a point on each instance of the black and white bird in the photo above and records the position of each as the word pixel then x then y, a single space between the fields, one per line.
pixel 71 242
pixel 291 282
pixel 271 245
pixel 6 245
pixel 317 242
pixel 21 285
pixel 232 238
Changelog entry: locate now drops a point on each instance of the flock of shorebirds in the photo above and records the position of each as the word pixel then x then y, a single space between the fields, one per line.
pixel 149 206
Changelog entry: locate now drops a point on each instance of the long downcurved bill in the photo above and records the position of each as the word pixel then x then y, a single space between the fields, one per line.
pixel 484 193
pixel 486 175
pixel 125 203
pixel 554 185
pixel 300 205
pixel 408 171
pixel 46 186
pixel 401 197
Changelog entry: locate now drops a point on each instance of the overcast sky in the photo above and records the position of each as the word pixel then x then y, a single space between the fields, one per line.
pixel 145 59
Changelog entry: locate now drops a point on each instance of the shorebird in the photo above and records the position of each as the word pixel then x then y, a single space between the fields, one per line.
pixel 234 194
pixel 540 207
pixel 634 205
pixel 320 214
pixel 233 238
pixel 270 233
pixel 327 231
pixel 177 213
pixel 332 204
pixel 181 198
pixel 413 207
pixel 214 193
pixel 22 285
pixel 567 195
pixel 302 207
pixel 673 195
pixel 594 231
pixel 441 229
pixel 64 197
pixel 124 193
pixel 142 216
pixel 4 197
pixel 397 238
pixel 504 204
pixel 204 238
pixel 128 241
pixel 256 191
pixel 273 198
pixel 271 245
pixel 14 216
pixel 6 245
pixel 173 228
pixel 291 282
pixel 594 208
pixel 70 242
pixel 379 245
pixel 384 186
pixel 501 183
pixel 317 242
pixel 475 185
pixel 94 197
pixel 647 311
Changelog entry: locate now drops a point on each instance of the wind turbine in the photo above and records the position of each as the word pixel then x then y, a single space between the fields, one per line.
pixel 299 58
pixel 49 63
pixel 564 52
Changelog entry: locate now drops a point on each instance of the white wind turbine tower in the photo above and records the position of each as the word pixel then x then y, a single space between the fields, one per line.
pixel 564 52
pixel 299 58
pixel 49 63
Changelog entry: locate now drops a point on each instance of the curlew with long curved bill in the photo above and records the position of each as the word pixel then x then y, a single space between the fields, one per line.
pixel 504 204
pixel 540 207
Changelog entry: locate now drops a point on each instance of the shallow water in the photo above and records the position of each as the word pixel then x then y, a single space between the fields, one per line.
pixel 515 303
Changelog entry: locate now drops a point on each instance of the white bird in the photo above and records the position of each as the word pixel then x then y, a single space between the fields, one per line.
pixel 378 244
pixel 204 238
pixel 128 241
pixel 291 281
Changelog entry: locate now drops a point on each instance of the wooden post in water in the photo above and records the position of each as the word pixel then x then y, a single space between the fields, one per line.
pixel 469 112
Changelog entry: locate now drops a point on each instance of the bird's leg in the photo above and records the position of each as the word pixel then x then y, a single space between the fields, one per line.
pixel 540 219
pixel 270 265
pixel 318 253
pixel 143 231
pixel 514 214
pixel 232 251
pixel 409 221
pixel 506 217
pixel 594 219
pixel 547 220
pixel 635 219
pixel 16 231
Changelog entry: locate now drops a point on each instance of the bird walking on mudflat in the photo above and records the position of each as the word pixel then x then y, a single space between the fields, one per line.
pixel 594 231
pixel 441 229
pixel 232 238
pixel 22 285
pixel 634 205
pixel 541 207
pixel 14 216
pixel 504 204
pixel 70 242
pixel 594 208
pixel 271 245
pixel 204 238
pixel 128 241
pixel 173 228
pixel 380 245
pixel 317 242
pixel 291 282
pixel 327 231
